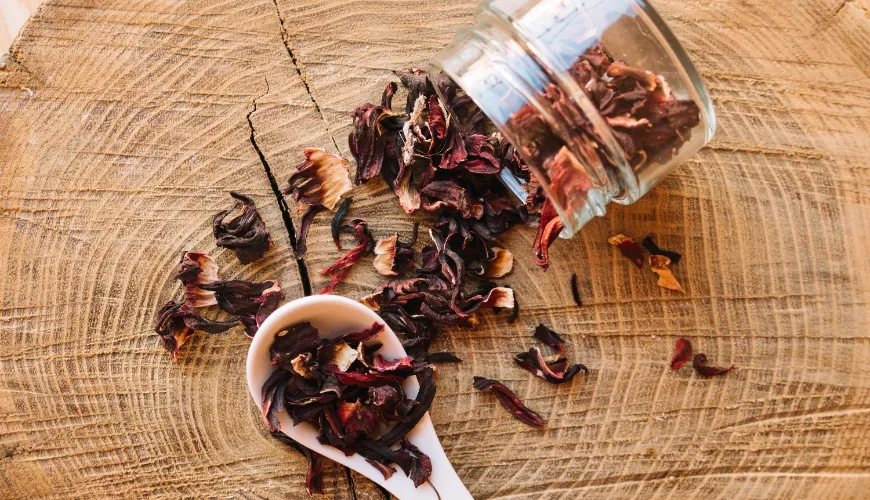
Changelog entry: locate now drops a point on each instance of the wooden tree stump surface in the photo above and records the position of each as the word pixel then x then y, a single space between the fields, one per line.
pixel 123 124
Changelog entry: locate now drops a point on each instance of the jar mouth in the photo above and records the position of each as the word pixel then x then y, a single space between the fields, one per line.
pixel 503 54
pixel 481 62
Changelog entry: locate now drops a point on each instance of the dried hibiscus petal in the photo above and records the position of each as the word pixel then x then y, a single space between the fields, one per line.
pixel 177 322
pixel 302 237
pixel 555 370
pixel 550 228
pixel 314 480
pixel 373 130
pixel 244 233
pixel 653 249
pixel 339 271
pixel 629 248
pixel 291 342
pixel 501 263
pixel 575 292
pixel 335 225
pixel 682 353
pixel 448 194
pixel 251 302
pixel 393 257
pixel 550 338
pixel 659 265
pixel 321 179
pixel 509 401
pixel 699 363
pixel 197 269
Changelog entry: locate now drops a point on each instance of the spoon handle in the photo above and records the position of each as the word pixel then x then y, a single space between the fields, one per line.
pixel 443 479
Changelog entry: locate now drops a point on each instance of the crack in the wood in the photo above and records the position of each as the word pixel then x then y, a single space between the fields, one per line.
pixel 285 38
pixel 350 482
pixel 282 203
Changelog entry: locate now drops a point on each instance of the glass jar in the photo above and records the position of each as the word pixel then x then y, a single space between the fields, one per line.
pixel 597 96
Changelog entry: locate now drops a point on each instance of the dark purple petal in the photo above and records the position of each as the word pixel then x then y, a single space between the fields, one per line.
pixel 510 401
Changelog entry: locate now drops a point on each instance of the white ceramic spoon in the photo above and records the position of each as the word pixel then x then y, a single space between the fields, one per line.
pixel 334 316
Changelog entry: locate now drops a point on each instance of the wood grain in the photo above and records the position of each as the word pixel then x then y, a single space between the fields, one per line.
pixel 138 125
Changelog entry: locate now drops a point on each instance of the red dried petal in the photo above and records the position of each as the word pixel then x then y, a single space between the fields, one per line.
pixel 549 337
pixel 401 364
pixel 629 248
pixel 245 233
pixel 682 353
pixel 699 363
pixel 339 271
pixel 448 194
pixel 367 379
pixel 510 401
pixel 481 156
pixel 365 335
pixel 321 179
pixel 550 228
pixel 197 269
pixel 385 255
pixel 659 265
pixel 177 322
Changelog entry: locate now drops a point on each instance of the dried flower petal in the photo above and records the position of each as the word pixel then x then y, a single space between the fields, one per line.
pixel 251 302
pixel 501 263
pixel 386 470
pixel 314 480
pixel 653 249
pixel 554 372
pixel 340 355
pixel 177 322
pixel 550 338
pixel 499 297
pixel 659 265
pixel 448 194
pixel 509 401
pixel 272 397
pixel 302 237
pixel 385 255
pixel 365 335
pixel 682 353
pixel 574 291
pixel 245 233
pixel 335 226
pixel 292 342
pixel 481 156
pixel 196 269
pixel 550 228
pixel 699 363
pixel 629 248
pixel 338 271
pixel 373 129
pixel 418 85
pixel 321 179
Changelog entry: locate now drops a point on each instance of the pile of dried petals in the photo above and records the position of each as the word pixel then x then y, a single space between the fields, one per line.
pixel 249 302
pixel 659 259
pixel 351 395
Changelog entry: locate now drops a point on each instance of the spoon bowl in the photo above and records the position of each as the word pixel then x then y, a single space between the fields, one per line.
pixel 334 316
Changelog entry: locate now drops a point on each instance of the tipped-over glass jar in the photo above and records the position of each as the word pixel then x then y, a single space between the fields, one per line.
pixel 597 96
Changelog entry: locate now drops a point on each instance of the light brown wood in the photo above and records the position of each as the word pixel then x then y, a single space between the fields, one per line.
pixel 138 125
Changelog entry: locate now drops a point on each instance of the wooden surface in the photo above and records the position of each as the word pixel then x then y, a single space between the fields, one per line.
pixel 123 125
